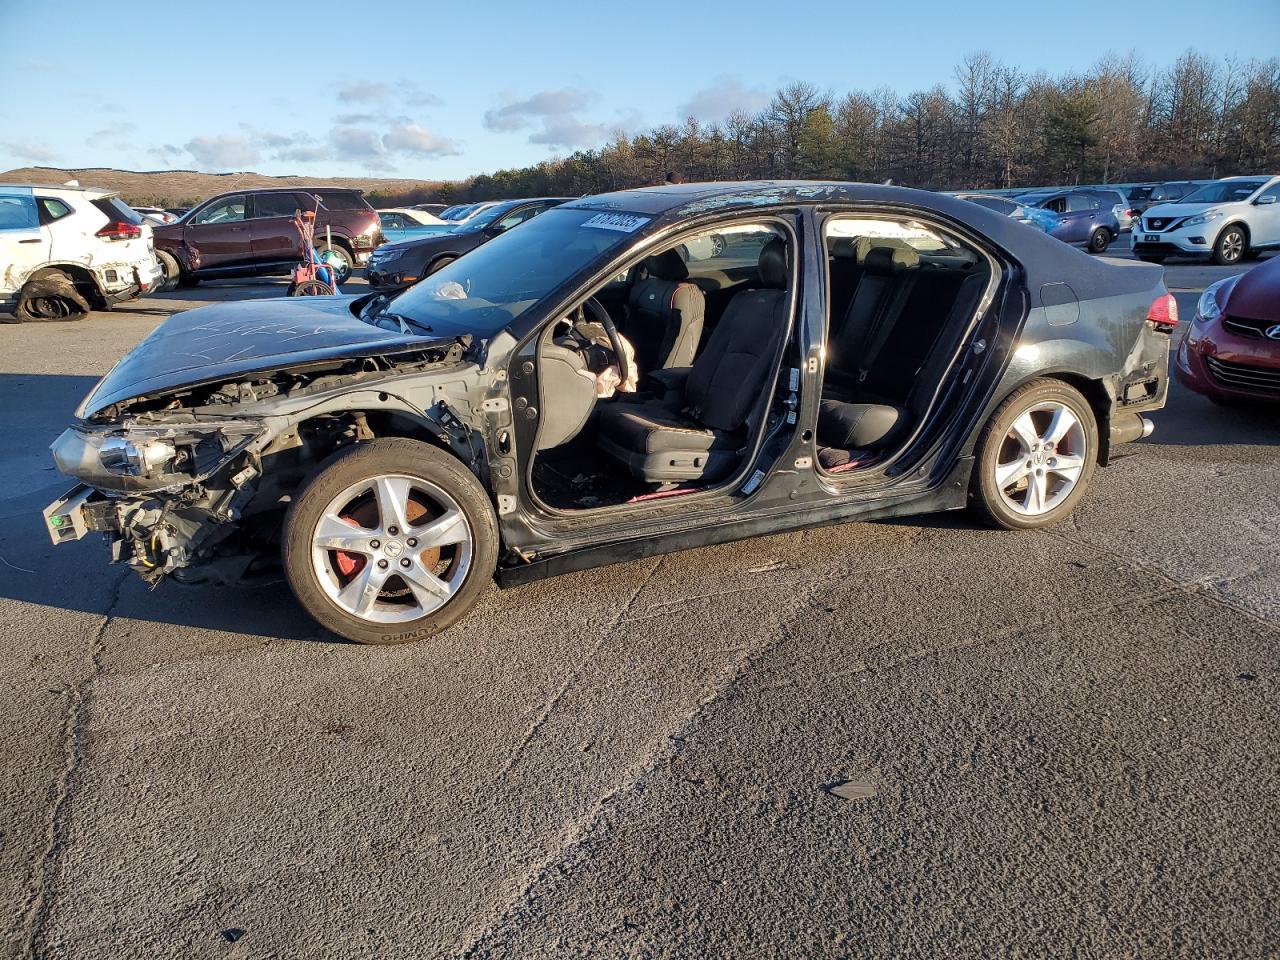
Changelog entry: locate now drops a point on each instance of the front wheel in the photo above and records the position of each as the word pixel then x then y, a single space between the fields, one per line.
pixel 392 541
pixel 440 265
pixel 310 288
pixel 1099 240
pixel 1036 456
pixel 170 270
pixel 1231 247
pixel 340 259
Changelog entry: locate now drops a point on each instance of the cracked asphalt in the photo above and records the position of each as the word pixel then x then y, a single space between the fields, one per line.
pixel 1056 743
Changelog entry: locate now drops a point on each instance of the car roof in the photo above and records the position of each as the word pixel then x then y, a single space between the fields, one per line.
pixel 98 192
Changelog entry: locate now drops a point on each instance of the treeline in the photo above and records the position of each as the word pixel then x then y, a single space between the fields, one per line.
pixel 997 126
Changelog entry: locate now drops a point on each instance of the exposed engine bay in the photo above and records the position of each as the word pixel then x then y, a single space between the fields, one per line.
pixel 194 482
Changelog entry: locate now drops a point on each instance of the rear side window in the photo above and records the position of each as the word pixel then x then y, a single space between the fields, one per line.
pixel 343 200
pixel 274 205
pixel 1078 201
pixel 113 208
pixel 18 212
pixel 51 209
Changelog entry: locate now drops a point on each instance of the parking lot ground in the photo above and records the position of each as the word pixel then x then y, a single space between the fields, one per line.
pixel 912 738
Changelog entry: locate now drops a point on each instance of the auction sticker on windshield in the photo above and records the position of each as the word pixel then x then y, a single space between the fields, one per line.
pixel 622 222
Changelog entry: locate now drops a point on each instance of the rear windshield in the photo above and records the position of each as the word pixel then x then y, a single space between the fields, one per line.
pixel 116 209
pixel 343 200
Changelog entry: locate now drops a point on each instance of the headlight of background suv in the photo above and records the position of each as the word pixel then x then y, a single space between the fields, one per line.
pixel 1203 218
pixel 1207 309
pixel 150 458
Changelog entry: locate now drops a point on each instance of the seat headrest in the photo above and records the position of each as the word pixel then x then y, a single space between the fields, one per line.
pixel 889 260
pixel 773 264
pixel 667 266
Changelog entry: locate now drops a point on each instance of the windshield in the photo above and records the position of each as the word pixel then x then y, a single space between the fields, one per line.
pixel 1225 191
pixel 492 285
pixel 485 217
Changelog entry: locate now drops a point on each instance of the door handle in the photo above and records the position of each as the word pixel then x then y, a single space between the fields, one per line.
pixel 34 240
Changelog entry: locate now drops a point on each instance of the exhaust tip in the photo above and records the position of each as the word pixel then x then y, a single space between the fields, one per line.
pixel 1148 427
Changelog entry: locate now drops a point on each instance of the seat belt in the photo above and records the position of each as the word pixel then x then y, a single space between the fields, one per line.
pixel 878 334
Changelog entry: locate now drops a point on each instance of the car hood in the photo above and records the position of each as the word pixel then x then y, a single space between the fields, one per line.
pixel 228 339
pixel 1174 210
pixel 1256 295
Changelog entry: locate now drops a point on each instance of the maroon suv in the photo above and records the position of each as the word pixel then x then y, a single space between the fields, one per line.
pixel 253 232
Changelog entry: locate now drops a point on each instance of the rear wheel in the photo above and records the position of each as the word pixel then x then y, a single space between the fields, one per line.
pixel 1231 246
pixel 1035 457
pixel 310 288
pixel 1099 240
pixel 392 541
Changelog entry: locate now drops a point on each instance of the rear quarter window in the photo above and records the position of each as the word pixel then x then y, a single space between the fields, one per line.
pixel 51 209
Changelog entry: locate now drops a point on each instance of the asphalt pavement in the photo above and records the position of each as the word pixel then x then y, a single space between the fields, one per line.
pixel 917 738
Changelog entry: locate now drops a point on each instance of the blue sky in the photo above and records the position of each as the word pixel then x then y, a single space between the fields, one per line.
pixel 443 90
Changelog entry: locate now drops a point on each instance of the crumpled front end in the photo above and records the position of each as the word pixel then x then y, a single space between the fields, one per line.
pixel 164 494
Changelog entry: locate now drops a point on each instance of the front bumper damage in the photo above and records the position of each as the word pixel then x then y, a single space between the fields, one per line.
pixel 160 517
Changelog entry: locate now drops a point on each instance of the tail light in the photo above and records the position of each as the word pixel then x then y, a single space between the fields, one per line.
pixel 120 230
pixel 1163 314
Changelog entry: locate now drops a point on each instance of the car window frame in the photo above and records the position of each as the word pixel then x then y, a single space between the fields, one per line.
pixel 214 204
pixel 40 209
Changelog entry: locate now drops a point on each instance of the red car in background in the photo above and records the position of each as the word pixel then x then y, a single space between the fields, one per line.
pixel 1230 351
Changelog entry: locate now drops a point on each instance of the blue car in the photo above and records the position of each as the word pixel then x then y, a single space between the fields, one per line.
pixel 1085 219
pixel 404 223
pixel 1038 217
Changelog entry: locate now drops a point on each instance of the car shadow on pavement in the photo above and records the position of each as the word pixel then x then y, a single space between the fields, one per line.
pixel 1190 420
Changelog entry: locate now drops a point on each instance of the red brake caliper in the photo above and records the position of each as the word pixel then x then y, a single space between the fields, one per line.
pixel 349 564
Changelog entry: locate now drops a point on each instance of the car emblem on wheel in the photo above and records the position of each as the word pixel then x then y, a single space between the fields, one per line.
pixel 1274 332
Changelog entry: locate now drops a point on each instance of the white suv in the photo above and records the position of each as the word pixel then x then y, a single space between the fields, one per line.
pixel 1225 220
pixel 67 250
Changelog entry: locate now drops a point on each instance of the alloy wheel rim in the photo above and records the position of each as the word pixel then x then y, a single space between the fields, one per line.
pixel 391 549
pixel 1232 244
pixel 1041 458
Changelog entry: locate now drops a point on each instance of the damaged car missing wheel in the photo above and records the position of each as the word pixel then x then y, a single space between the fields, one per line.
pixel 626 375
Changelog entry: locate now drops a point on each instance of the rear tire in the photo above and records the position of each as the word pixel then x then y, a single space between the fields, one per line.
pixel 1099 240
pixel 1231 246
pixel 1036 456
pixel 462 555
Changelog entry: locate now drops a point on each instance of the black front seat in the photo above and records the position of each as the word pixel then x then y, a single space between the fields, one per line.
pixel 664 315
pixel 700 429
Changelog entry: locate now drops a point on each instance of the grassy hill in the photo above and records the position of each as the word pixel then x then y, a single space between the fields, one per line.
pixel 169 188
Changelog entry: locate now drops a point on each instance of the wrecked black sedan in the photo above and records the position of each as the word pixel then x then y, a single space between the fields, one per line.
pixel 625 375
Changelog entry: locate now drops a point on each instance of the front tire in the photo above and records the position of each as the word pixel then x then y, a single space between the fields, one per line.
pixel 1231 246
pixel 391 541
pixel 1036 457
pixel 346 261
pixel 1099 240
pixel 439 265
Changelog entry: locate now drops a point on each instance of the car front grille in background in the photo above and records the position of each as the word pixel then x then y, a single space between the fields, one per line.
pixel 1245 377
pixel 1247 328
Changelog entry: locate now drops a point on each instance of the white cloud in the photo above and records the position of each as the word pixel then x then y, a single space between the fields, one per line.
pixel 568 132
pixel 222 152
pixel 516 114
pixel 363 92
pixel 29 151
pixel 726 95
pixel 412 138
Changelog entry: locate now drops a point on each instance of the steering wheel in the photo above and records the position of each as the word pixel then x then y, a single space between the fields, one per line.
pixel 601 316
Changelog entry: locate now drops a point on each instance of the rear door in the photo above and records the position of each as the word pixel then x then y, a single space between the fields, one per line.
pixel 275 234
pixel 220 233
pixel 1077 218
pixel 24 244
